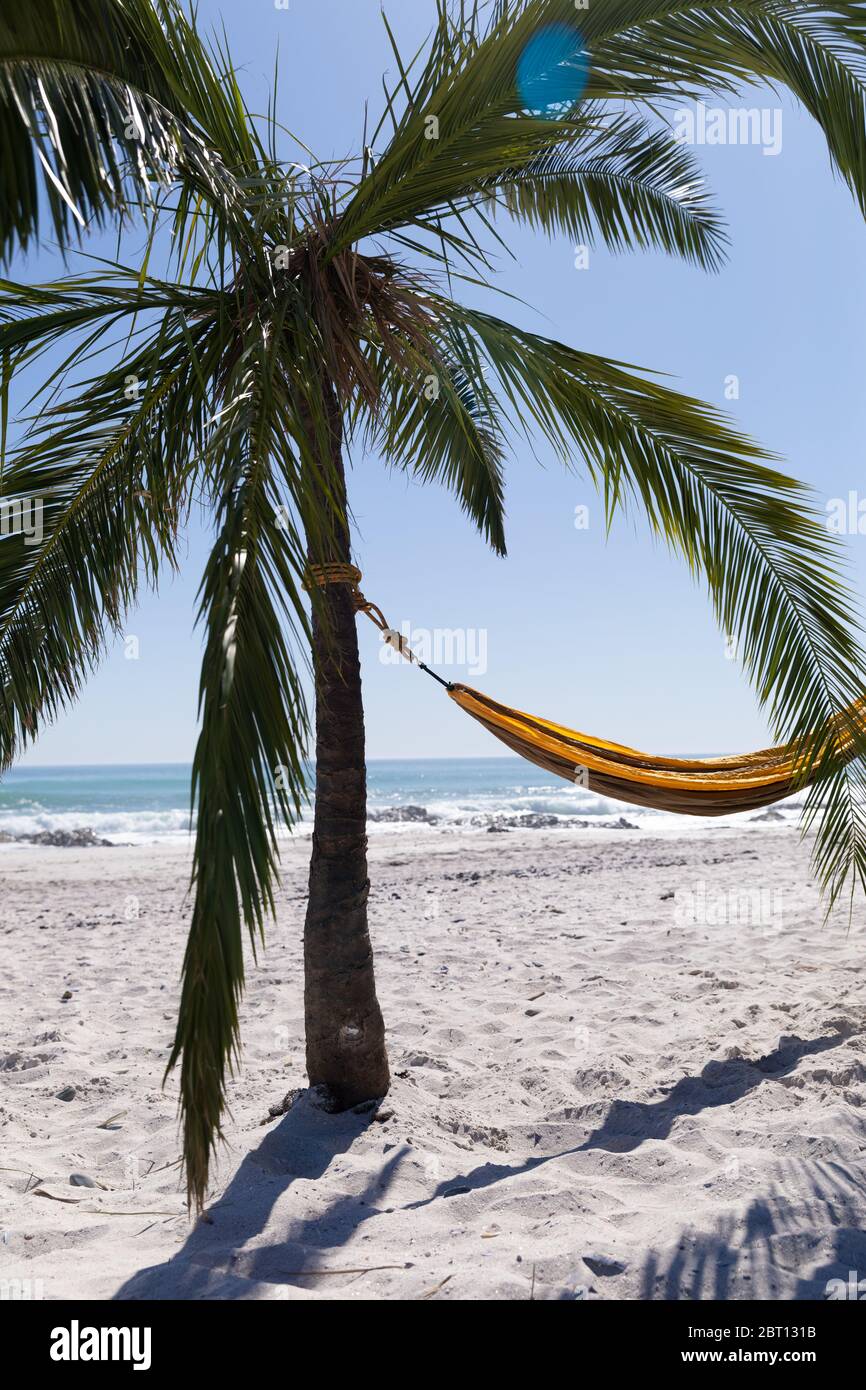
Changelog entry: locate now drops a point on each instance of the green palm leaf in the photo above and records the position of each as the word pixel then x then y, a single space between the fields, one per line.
pixel 639 51
pixel 84 110
pixel 110 471
pixel 817 51
pixel 439 423
pixel 102 99
pixel 623 181
pixel 248 773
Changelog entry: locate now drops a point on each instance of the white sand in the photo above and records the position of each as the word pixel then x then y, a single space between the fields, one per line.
pixel 579 1075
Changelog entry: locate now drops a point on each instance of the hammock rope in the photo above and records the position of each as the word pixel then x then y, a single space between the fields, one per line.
pixel 688 786
pixel 350 574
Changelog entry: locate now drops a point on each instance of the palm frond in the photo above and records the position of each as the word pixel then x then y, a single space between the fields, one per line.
pixel 85 111
pixel 105 103
pixel 35 317
pixel 248 773
pixel 436 420
pixel 621 181
pixel 461 121
pixel 816 50
pixel 108 475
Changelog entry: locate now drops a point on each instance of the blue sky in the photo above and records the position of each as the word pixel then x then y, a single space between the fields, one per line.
pixel 608 634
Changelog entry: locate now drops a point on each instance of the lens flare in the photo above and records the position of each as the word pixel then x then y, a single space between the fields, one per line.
pixel 552 70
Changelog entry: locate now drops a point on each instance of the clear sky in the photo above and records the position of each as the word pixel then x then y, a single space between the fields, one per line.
pixel 607 634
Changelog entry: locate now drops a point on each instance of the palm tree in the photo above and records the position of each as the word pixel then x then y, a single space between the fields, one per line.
pixel 312 311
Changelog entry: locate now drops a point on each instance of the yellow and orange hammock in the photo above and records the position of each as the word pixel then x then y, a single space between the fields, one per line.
pixel 690 786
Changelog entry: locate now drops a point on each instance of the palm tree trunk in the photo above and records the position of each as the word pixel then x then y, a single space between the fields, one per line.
pixel 344 1027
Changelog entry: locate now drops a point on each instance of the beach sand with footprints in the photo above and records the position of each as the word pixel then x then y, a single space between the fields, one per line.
pixel 625 1065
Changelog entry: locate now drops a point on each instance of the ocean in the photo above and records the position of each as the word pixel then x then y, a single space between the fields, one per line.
pixel 150 803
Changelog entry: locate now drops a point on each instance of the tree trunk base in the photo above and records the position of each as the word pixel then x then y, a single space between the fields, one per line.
pixel 345 1029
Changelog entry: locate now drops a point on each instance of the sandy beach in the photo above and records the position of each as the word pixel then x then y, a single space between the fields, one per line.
pixel 625 1065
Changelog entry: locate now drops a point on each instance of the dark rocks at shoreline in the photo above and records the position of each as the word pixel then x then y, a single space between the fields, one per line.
pixel 526 820
pixel 80 838
pixel 399 814
pixel 496 824
pixel 533 820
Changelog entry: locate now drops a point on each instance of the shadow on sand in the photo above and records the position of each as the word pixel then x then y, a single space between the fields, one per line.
pixel 751 1255
pixel 628 1124
pixel 220 1257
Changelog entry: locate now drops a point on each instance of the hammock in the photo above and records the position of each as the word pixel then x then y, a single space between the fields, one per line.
pixel 690 786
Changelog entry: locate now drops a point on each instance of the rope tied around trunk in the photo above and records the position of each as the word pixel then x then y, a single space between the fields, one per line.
pixel 338 573
pixel 320 575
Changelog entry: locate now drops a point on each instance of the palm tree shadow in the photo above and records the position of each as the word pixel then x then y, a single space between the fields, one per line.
pixel 220 1258
pixel 750 1256
pixel 628 1124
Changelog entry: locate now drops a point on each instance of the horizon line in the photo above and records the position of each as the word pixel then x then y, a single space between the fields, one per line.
pixel 433 758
